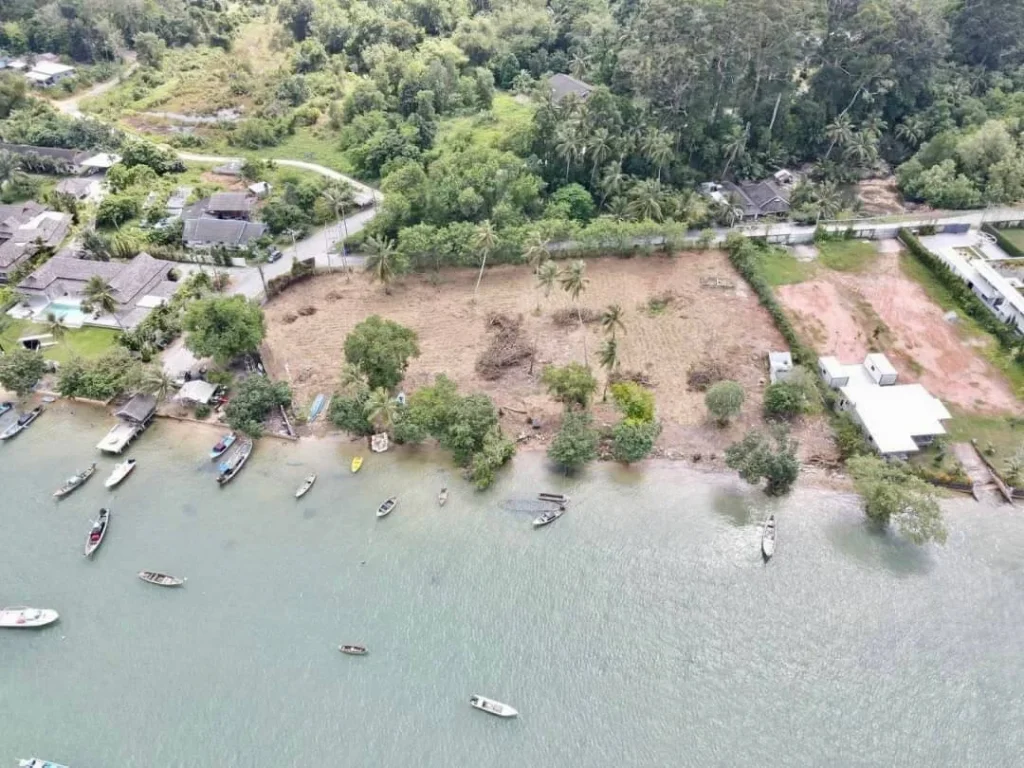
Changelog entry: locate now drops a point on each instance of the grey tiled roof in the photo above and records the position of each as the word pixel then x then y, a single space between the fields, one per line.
pixel 72 270
pixel 758 198
pixel 139 408
pixel 68 155
pixel 136 276
pixel 11 253
pixel 562 85
pixel 226 232
pixel 229 202
pixel 78 186
pixel 21 211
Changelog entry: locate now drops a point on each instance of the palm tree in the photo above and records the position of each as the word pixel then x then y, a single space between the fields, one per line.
pixel 620 208
pixel 156 382
pixel 381 261
pixel 339 198
pixel 569 144
pixel 861 150
pixel 381 409
pixel 485 239
pixel 657 148
pixel 829 200
pixel 611 181
pixel 599 146
pixel 646 199
pixel 574 282
pixel 547 274
pixel 735 146
pixel 96 245
pixel 352 377
pixel 55 326
pixel 611 320
pixel 100 295
pixel 578 66
pixel 910 131
pixel 536 250
pixel 9 166
pixel 608 357
pixel 839 131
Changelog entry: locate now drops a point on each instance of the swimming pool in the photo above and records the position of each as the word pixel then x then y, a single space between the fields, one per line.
pixel 70 310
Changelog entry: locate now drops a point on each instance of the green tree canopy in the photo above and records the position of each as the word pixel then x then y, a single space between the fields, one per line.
pixel 381 349
pixel 769 456
pixel 572 384
pixel 633 440
pixel 224 328
pixel 21 370
pixel 576 442
pixel 892 493
pixel 252 402
pixel 724 401
pixel 633 401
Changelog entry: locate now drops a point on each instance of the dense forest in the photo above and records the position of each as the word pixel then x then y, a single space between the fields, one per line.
pixel 686 91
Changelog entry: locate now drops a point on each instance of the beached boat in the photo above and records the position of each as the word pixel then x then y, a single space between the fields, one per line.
pixel 316 408
pixel 357 462
pixel 5 407
pixel 35 762
pixel 768 538
pixel 353 650
pixel 306 485
pixel 492 707
pixel 548 517
pixel 75 481
pixel 161 579
pixel 22 423
pixel 229 469
pixel 121 471
pixel 97 533
pixel 387 507
pixel 21 617
pixel 225 442
pixel 442 497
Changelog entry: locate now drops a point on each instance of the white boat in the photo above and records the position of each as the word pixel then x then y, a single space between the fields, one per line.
pixel 21 617
pixel 161 579
pixel 387 507
pixel 548 517
pixel 121 471
pixel 75 482
pixel 35 762
pixel 491 707
pixel 768 538
pixel 306 485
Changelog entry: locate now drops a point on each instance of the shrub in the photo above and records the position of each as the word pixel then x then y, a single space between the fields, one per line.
pixel 724 400
pixel 784 400
pixel 765 456
pixel 633 401
pixel 349 413
pixel 633 440
pixel 202 411
pixel 576 442
pixel 571 384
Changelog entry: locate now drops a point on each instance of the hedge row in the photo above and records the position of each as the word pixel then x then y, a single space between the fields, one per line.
pixel 1003 241
pixel 965 298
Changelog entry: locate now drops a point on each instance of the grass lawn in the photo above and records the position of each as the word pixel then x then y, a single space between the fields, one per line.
pixel 847 255
pixel 87 343
pixel 1015 236
pixel 780 267
pixel 507 119
pixel 998 436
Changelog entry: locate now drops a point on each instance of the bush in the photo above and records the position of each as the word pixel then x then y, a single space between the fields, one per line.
pixel 381 349
pixel 784 400
pixel 571 384
pixel 634 402
pixel 765 456
pixel 633 440
pixel 349 414
pixel 724 400
pixel 202 411
pixel 849 437
pixel 255 398
pixel 576 442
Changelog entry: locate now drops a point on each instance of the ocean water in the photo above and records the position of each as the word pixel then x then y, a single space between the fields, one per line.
pixel 641 629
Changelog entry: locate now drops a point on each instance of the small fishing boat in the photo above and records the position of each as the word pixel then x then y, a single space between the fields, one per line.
pixel 161 579
pixel 558 498
pixel 353 650
pixel 768 538
pixel 549 517
pixel 22 423
pixel 387 507
pixel 357 462
pixel 49 399
pixel 316 407
pixel 491 707
pixel 75 481
pixel 229 469
pixel 35 762
pixel 225 442
pixel 442 497
pixel 306 485
pixel 20 617
pixel 97 533
pixel 5 407
pixel 121 471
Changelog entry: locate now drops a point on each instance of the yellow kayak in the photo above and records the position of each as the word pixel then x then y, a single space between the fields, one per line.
pixel 357 462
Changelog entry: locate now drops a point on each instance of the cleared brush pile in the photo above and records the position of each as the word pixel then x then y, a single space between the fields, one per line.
pixel 568 316
pixel 508 346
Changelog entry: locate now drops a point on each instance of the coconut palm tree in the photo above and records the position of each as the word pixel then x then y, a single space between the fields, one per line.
pixel 646 198
pixel 55 326
pixel 911 131
pixel 861 150
pixel 657 148
pixel 829 200
pixel 547 275
pixel 339 198
pixel 381 261
pixel 839 131
pixel 381 409
pixel 352 378
pixel 573 280
pixel 608 357
pixel 734 147
pixel 569 144
pixel 611 182
pixel 611 320
pixel 100 295
pixel 485 239
pixel 578 66
pixel 157 382
pixel 600 148
pixel 95 245
pixel 536 250
pixel 620 208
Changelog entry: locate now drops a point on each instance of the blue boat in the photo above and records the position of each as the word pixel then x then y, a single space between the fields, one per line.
pixel 316 408
pixel 225 442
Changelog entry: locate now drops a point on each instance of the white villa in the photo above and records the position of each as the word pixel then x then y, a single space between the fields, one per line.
pixel 897 419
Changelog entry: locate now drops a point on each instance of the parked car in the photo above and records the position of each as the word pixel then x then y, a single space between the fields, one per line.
pixel 274 255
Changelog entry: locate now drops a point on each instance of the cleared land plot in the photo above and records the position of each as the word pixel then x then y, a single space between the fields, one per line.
pixel 86 342
pixel 697 322
pixel 849 314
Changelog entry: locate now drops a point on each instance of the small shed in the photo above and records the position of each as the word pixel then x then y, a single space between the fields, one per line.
pixel 139 410
pixel 261 189
pixel 196 391
pixel 832 372
pixel 880 369
pixel 780 366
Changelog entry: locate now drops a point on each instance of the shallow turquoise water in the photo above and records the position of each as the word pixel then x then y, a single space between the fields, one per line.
pixel 641 629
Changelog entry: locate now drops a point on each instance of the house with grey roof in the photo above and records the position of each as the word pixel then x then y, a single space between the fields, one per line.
pixel 564 85
pixel 13 216
pixel 81 187
pixel 220 233
pixel 754 199
pixel 229 205
pixel 46 229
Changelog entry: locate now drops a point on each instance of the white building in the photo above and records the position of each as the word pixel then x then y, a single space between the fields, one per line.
pixel 897 419
pixel 780 366
pixel 48 73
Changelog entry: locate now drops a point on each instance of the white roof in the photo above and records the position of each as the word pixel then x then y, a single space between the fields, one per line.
pixel 38 77
pixel 894 415
pixel 48 68
pixel 197 390
pixel 780 359
pixel 881 362
pixel 1001 284
pixel 151 302
pixel 833 367
pixel 102 160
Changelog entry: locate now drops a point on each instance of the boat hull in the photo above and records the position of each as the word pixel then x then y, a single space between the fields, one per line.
pixel 81 478
pixel 90 545
pixel 121 471
pixel 543 520
pixel 352 650
pixel 304 488
pixel 357 464
pixel 161 579
pixel 492 707
pixel 27 618
pixel 35 762
pixel 768 539
pixel 387 507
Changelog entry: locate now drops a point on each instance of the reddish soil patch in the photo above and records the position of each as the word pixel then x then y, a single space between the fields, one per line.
pixel 848 315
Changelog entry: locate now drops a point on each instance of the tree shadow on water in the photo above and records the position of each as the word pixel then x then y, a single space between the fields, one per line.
pixel 734 507
pixel 880 547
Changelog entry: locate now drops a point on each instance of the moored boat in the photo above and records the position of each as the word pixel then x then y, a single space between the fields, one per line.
pixel 161 579
pixel 491 707
pixel 548 517
pixel 353 650
pixel 442 497
pixel 306 485
pixel 229 469
pixel 35 762
pixel 225 442
pixel 768 538
pixel 357 462
pixel 5 407
pixel 316 407
pixel 121 471
pixel 387 507
pixel 22 617
pixel 558 498
pixel 22 423
pixel 97 533
pixel 75 481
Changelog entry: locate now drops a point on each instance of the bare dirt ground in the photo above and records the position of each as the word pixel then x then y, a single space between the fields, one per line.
pixel 848 315
pixel 699 321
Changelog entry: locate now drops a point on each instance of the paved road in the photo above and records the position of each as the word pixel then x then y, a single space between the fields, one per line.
pixel 70 106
